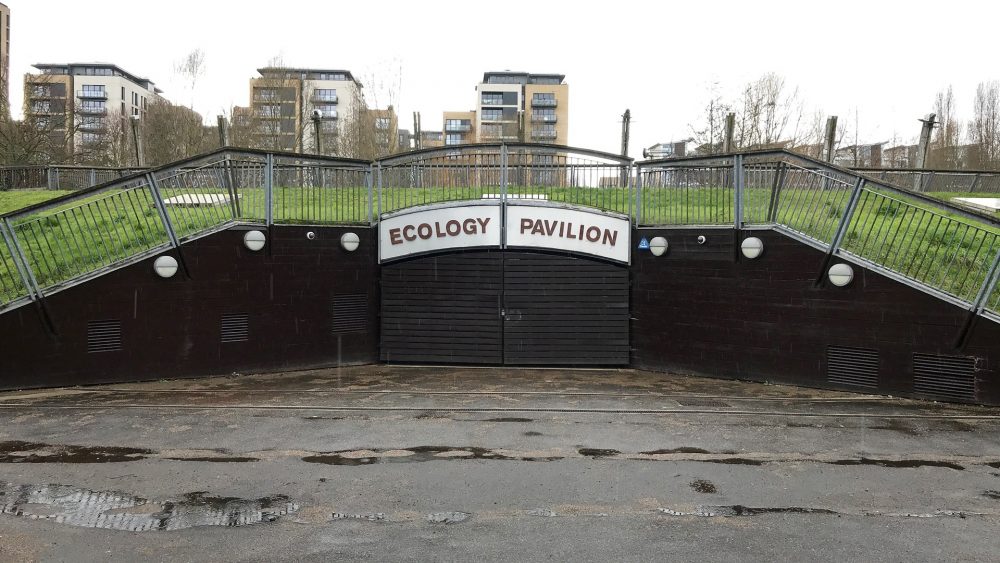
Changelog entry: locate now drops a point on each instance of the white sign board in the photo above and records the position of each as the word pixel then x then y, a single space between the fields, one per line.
pixel 439 229
pixel 570 230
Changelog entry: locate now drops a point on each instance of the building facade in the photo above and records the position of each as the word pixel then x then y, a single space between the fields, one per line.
pixel 285 101
pixel 513 107
pixel 75 101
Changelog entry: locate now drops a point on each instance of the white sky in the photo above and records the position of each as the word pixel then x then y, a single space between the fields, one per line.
pixel 885 60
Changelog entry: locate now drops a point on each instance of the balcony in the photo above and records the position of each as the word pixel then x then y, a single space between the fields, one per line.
pixel 543 134
pixel 92 127
pixel 322 99
pixel 459 128
pixel 92 94
pixel 92 111
pixel 543 118
pixel 543 103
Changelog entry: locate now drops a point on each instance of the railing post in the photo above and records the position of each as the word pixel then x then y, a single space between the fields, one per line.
pixel 161 209
pixel 738 181
pixel 20 260
pixel 989 283
pixel 378 179
pixel 975 183
pixel 269 189
pixel 93 177
pixel 503 173
pixel 50 178
pixel 845 221
pixel 369 186
pixel 638 196
pixel 779 184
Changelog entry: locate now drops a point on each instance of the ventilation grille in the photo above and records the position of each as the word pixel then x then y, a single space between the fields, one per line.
pixel 946 377
pixel 104 336
pixel 853 367
pixel 235 327
pixel 350 313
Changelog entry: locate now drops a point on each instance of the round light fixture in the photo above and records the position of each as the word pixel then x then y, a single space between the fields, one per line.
pixel 311 235
pixel 841 274
pixel 658 246
pixel 751 247
pixel 254 240
pixel 165 266
pixel 350 241
pixel 702 239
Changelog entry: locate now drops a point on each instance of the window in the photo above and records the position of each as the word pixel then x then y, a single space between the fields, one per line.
pixel 265 95
pixel 457 125
pixel 41 107
pixel 93 91
pixel 91 123
pixel 93 106
pixel 453 139
pixel 40 90
pixel 382 123
pixel 329 111
pixel 90 137
pixel 325 94
pixel 328 127
pixel 269 110
pixel 491 115
pixel 492 98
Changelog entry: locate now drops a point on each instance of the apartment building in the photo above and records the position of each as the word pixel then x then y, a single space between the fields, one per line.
pixel 283 102
pixel 514 106
pixel 76 100
pixel 5 59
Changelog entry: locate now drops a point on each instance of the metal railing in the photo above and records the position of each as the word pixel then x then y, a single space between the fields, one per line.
pixel 945 250
pixel 929 181
pixel 504 171
pixel 59 177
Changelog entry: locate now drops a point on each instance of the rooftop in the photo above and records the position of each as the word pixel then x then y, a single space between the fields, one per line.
pixel 271 70
pixel 506 76
pixel 77 68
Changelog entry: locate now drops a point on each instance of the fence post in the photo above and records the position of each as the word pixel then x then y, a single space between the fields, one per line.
pixel 20 260
pixel 638 195
pixel 738 180
pixel 378 179
pixel 989 283
pixel 779 184
pixel 50 178
pixel 93 177
pixel 269 189
pixel 161 209
pixel 845 221
pixel 975 183
pixel 503 173
pixel 369 186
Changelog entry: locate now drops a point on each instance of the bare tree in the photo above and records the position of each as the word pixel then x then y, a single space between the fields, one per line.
pixel 763 112
pixel 984 129
pixel 709 134
pixel 191 67
pixel 944 145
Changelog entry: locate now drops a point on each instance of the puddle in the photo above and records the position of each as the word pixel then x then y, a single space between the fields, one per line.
pixel 734 461
pixel 994 464
pixel 903 463
pixel 597 452
pixel 115 510
pixel 704 403
pixel 992 494
pixel 216 459
pixel 509 419
pixel 683 450
pixel 703 486
pixel 32 452
pixel 415 455
pixel 532 433
pixel 740 510
pixel 448 517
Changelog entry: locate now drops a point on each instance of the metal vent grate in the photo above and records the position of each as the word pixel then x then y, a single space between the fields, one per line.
pixel 235 327
pixel 854 367
pixel 946 377
pixel 104 336
pixel 350 313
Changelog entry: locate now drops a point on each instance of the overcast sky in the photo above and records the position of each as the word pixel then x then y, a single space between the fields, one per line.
pixel 883 60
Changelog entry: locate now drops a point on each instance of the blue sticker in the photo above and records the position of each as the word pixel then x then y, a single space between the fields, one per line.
pixel 644 244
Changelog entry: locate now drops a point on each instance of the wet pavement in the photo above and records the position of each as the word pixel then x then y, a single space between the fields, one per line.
pixel 418 463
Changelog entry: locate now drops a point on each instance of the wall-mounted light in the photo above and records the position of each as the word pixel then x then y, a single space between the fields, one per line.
pixel 165 266
pixel 311 235
pixel 752 247
pixel 702 239
pixel 254 240
pixel 658 246
pixel 350 241
pixel 841 274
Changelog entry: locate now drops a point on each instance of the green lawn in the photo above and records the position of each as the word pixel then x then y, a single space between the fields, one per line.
pixel 937 248
pixel 16 199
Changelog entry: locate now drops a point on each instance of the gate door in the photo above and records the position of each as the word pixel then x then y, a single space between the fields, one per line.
pixel 561 310
pixel 443 308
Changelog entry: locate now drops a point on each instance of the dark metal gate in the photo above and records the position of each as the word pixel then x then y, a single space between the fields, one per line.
pixel 516 308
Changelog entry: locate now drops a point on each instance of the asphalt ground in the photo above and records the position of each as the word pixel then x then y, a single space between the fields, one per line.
pixel 421 463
